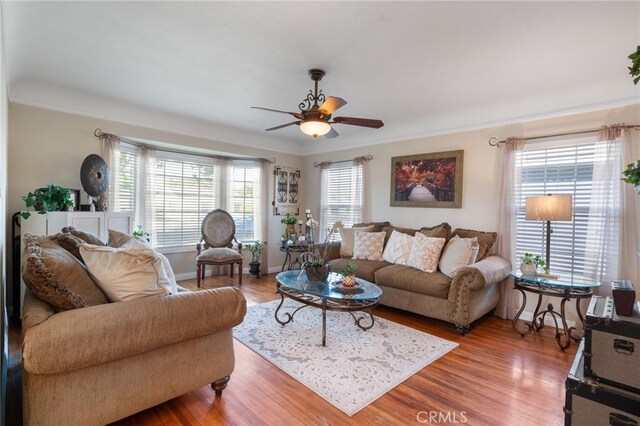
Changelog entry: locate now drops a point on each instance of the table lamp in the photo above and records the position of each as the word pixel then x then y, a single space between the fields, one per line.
pixel 549 208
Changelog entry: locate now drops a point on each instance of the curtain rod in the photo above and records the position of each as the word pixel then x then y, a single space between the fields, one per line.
pixel 367 157
pixel 493 141
pixel 98 133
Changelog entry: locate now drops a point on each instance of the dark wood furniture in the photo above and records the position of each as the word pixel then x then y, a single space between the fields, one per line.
pixel 215 248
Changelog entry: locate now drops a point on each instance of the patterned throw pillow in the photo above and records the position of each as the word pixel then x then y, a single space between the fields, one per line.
pixel 425 252
pixel 398 248
pixel 368 245
pixel 456 255
pixel 475 249
pixel 346 235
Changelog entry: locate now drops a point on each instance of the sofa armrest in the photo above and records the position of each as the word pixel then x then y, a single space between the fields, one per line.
pixel 487 272
pixel 98 334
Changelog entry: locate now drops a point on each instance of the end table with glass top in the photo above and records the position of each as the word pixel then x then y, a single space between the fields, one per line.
pixel 567 287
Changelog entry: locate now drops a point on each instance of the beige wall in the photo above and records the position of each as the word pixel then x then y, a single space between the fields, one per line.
pixel 4 262
pixel 48 146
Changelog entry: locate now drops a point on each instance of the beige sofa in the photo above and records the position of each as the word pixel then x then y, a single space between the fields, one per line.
pixel 97 364
pixel 471 294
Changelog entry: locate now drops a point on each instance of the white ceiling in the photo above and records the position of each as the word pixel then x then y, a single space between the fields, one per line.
pixel 422 67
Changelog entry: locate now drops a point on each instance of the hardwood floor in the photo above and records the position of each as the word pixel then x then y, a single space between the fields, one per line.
pixel 494 377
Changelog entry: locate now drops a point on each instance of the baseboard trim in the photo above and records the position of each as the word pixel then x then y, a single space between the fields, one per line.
pixel 548 320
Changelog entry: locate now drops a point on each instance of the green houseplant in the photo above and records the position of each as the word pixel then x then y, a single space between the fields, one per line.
pixel 256 252
pixel 634 69
pixel 140 233
pixel 631 175
pixel 53 198
pixel 530 263
pixel 290 221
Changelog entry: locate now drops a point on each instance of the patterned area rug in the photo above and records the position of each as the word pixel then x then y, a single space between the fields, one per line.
pixel 355 368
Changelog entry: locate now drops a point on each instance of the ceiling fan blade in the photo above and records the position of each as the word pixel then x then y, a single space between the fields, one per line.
pixel 295 114
pixel 332 134
pixel 354 121
pixel 283 125
pixel 331 104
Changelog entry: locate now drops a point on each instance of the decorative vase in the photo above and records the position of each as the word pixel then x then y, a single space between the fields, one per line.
pixel 348 280
pixel 290 229
pixel 317 273
pixel 528 268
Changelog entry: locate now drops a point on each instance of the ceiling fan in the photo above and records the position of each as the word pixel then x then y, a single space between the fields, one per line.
pixel 314 119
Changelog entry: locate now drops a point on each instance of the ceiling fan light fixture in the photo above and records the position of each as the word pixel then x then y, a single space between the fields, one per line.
pixel 315 128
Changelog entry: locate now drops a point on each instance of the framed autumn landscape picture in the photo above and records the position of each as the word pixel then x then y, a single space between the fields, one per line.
pixel 427 180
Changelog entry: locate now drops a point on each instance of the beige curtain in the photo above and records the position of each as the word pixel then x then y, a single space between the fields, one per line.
pixel 611 233
pixel 324 224
pixel 363 186
pixel 511 193
pixel 263 222
pixel 146 184
pixel 110 153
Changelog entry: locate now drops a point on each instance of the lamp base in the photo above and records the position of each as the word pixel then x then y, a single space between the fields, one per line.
pixel 546 275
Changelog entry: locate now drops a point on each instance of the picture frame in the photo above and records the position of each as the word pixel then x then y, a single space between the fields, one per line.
pixel 286 188
pixel 293 237
pixel 427 180
pixel 75 197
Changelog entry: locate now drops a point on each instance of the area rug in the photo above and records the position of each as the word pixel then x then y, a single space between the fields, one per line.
pixel 355 368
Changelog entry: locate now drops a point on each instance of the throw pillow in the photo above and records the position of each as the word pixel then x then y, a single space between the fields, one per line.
pixel 377 226
pixel 425 252
pixel 139 243
pixel 126 273
pixel 87 237
pixel 368 245
pixel 398 248
pixel 455 255
pixel 55 276
pixel 475 249
pixel 69 242
pixel 389 230
pixel 439 231
pixel 118 239
pixel 485 239
pixel 346 235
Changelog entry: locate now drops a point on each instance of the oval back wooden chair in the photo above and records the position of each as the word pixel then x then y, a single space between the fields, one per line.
pixel 215 248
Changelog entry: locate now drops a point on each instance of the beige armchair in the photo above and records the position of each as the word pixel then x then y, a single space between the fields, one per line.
pixel 98 364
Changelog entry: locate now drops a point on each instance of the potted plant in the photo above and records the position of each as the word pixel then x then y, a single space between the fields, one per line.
pixel 256 251
pixel 634 69
pixel 530 264
pixel 290 221
pixel 140 233
pixel 318 269
pixel 53 198
pixel 632 175
pixel 349 274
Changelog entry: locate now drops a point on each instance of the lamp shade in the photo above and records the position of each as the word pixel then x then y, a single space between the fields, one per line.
pixel 315 127
pixel 549 207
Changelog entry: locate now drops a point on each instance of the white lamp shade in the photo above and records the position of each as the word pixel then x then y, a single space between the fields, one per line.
pixel 549 207
pixel 315 127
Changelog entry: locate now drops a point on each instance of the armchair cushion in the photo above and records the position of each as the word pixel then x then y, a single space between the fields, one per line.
pixel 219 254
pixel 56 277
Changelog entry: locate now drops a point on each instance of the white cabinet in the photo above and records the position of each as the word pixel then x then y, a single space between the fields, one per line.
pixel 98 223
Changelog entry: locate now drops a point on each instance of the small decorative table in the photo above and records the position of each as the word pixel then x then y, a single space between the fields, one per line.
pixel 567 287
pixel 327 296
pixel 289 261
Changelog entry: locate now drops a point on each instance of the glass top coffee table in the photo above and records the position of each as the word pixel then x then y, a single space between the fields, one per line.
pixel 327 296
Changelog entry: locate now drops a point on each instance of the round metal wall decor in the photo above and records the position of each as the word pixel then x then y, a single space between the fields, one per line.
pixel 94 175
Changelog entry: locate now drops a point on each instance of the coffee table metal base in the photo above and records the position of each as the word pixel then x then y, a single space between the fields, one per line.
pixel 325 304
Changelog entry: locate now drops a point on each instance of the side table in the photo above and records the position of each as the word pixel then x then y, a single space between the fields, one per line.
pixel 567 287
pixel 290 262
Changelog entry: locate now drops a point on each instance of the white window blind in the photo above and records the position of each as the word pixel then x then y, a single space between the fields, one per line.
pixel 244 199
pixel 559 167
pixel 124 191
pixel 184 191
pixel 341 197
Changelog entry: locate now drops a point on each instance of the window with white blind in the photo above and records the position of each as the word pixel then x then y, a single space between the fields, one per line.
pixel 124 190
pixel 244 200
pixel 341 196
pixel 183 192
pixel 559 167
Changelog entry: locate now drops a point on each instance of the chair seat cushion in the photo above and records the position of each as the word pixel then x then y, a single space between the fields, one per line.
pixel 220 254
